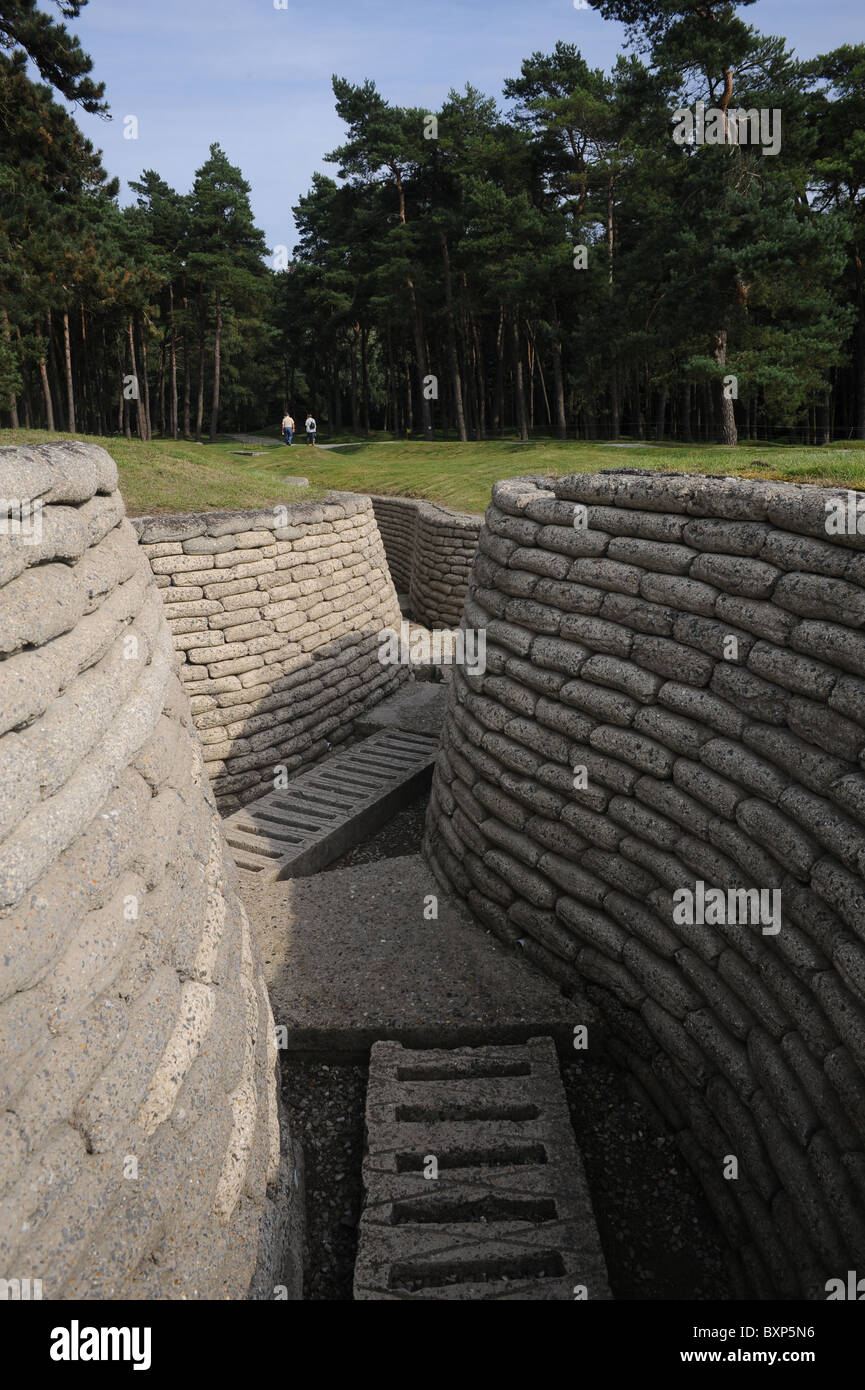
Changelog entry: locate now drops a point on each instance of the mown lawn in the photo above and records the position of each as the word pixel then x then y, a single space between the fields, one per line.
pixel 164 476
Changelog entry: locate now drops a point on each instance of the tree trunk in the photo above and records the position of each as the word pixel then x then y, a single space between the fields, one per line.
pixel 355 405
pixel 160 387
pixel 337 399
pixel 541 378
pixel 456 382
pixel 615 405
pixel 125 416
pixel 859 354
pixel 139 403
pixel 364 380
pixel 187 388
pixel 725 102
pixel 391 392
pixel 217 370
pixel 87 381
pixel 685 412
pixel 409 410
pixel 636 422
pixel 174 411
pixel 728 434
pixel 174 401
pixel 519 390
pixel 615 385
pixel 13 404
pixel 468 382
pixel 826 417
pixel 121 398
pixel 417 322
pixel 558 378
pixel 54 372
pixel 148 423
pixel 660 412
pixel 199 412
pixel 499 411
pixel 531 358
pixel 25 390
pixel 610 225
pixel 46 386
pixel 422 364
pixel 480 385
pixel 70 390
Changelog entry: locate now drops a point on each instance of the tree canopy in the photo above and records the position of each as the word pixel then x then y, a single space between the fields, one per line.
pixel 556 261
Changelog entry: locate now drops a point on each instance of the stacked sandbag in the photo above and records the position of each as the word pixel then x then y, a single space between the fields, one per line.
pixel 277 616
pixel 397 521
pixel 139 1140
pixel 674 702
pixel 430 551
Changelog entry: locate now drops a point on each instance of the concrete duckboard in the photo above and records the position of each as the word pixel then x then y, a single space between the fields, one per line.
pixel 506 1212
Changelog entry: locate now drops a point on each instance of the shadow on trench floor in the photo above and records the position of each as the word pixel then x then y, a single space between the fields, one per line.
pixel 660 1239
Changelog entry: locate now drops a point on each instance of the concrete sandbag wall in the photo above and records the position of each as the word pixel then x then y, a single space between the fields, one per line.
pixel 429 553
pixel 139 1138
pixel 621 749
pixel 276 616
pixel 397 521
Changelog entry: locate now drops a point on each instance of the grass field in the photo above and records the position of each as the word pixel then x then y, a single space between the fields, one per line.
pixel 163 476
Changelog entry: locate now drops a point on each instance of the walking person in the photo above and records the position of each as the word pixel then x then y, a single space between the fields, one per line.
pixel 287 428
pixel 311 428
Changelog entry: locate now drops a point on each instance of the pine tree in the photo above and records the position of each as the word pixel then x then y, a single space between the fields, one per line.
pixel 56 53
pixel 224 258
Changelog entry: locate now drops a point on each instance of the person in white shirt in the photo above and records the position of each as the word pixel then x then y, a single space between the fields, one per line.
pixel 287 428
pixel 311 428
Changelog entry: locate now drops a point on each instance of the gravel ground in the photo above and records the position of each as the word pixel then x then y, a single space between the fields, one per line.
pixel 402 835
pixel 660 1238
pixel 326 1106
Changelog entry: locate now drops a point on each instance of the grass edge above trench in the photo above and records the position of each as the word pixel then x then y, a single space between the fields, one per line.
pixel 164 476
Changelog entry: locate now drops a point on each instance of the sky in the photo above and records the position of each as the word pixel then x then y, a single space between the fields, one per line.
pixel 255 75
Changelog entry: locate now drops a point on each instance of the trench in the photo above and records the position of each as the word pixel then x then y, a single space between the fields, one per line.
pixel 659 1237
pixel 532 906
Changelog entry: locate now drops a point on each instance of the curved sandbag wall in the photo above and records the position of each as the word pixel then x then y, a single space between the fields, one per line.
pixel 430 551
pixel 139 1140
pixel 656 792
pixel 276 615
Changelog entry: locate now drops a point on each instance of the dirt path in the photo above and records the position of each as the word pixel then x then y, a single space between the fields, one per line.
pixel 272 443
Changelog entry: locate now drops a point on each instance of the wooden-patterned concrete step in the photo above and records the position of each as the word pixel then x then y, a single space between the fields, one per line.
pixel 474 1186
pixel 331 807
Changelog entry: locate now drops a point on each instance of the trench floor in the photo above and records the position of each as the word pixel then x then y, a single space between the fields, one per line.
pixel 660 1239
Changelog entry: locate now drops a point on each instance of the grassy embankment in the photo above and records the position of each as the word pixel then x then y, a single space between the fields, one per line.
pixel 163 476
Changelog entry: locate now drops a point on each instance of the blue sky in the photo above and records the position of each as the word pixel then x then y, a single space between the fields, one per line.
pixel 257 79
